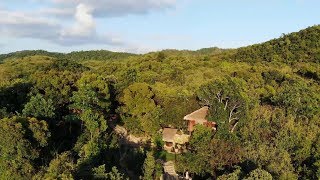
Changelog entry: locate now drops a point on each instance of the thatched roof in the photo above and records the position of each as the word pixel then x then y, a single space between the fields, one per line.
pixel 168 134
pixel 199 115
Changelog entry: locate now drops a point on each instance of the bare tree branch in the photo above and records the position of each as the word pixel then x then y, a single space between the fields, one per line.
pixel 234 126
pixel 230 120
pixel 226 103
pixel 219 96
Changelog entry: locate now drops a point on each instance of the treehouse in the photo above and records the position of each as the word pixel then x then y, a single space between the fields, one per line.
pixel 199 117
pixel 174 140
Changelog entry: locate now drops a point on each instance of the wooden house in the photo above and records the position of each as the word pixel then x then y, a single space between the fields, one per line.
pixel 175 141
pixel 199 117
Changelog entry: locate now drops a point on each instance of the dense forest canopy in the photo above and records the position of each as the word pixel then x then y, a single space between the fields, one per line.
pixel 58 111
pixel 100 55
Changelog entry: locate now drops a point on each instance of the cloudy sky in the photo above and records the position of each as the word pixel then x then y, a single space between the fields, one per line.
pixel 148 25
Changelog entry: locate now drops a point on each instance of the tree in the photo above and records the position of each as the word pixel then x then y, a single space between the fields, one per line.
pixel 201 138
pixel 316 151
pixel 91 104
pixel 100 172
pixel 114 174
pixel 94 122
pixel 198 160
pixel 131 76
pixel 14 95
pixel 66 64
pixel 275 160
pixel 208 154
pixel 225 153
pixel 259 174
pixel 39 107
pixel 55 85
pixel 194 163
pixel 3 113
pixel 235 175
pixel 137 100
pixel 40 131
pixel 298 98
pixel 149 166
pixel 175 103
pixel 93 93
pixel 62 167
pixel 19 142
pixel 17 152
pixel 228 103
pixel 138 105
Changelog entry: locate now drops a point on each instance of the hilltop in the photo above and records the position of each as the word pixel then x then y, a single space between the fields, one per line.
pixel 294 47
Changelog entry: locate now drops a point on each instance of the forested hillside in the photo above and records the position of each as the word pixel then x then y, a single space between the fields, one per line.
pixel 302 46
pixel 99 55
pixel 58 111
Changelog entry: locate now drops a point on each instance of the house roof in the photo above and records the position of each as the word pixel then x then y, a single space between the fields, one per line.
pixel 168 134
pixel 199 115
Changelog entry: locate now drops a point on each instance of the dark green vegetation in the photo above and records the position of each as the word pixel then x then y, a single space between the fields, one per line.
pixel 56 109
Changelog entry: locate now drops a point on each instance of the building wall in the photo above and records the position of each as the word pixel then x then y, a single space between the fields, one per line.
pixel 191 125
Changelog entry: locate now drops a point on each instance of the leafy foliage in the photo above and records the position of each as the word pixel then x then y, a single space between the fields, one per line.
pixel 259 174
pixel 139 107
pixel 19 146
pixel 39 107
pixel 149 166
pixel 62 167
pixel 302 46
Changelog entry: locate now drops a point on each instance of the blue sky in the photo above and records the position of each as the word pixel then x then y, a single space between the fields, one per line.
pixel 148 25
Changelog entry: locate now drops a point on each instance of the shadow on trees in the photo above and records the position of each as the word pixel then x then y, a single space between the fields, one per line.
pixel 15 96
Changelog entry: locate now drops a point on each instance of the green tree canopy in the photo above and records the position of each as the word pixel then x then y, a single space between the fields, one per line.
pixel 61 167
pixel 149 166
pixel 138 106
pixel 228 103
pixel 39 107
pixel 20 139
pixel 259 174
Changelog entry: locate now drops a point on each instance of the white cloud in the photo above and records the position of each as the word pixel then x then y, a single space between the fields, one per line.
pixel 31 25
pixel 84 23
pixel 83 31
pixel 22 24
pixel 73 22
pixel 112 8
pixel 57 12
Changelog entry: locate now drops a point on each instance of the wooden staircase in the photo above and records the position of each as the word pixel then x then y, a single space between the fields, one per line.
pixel 169 170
